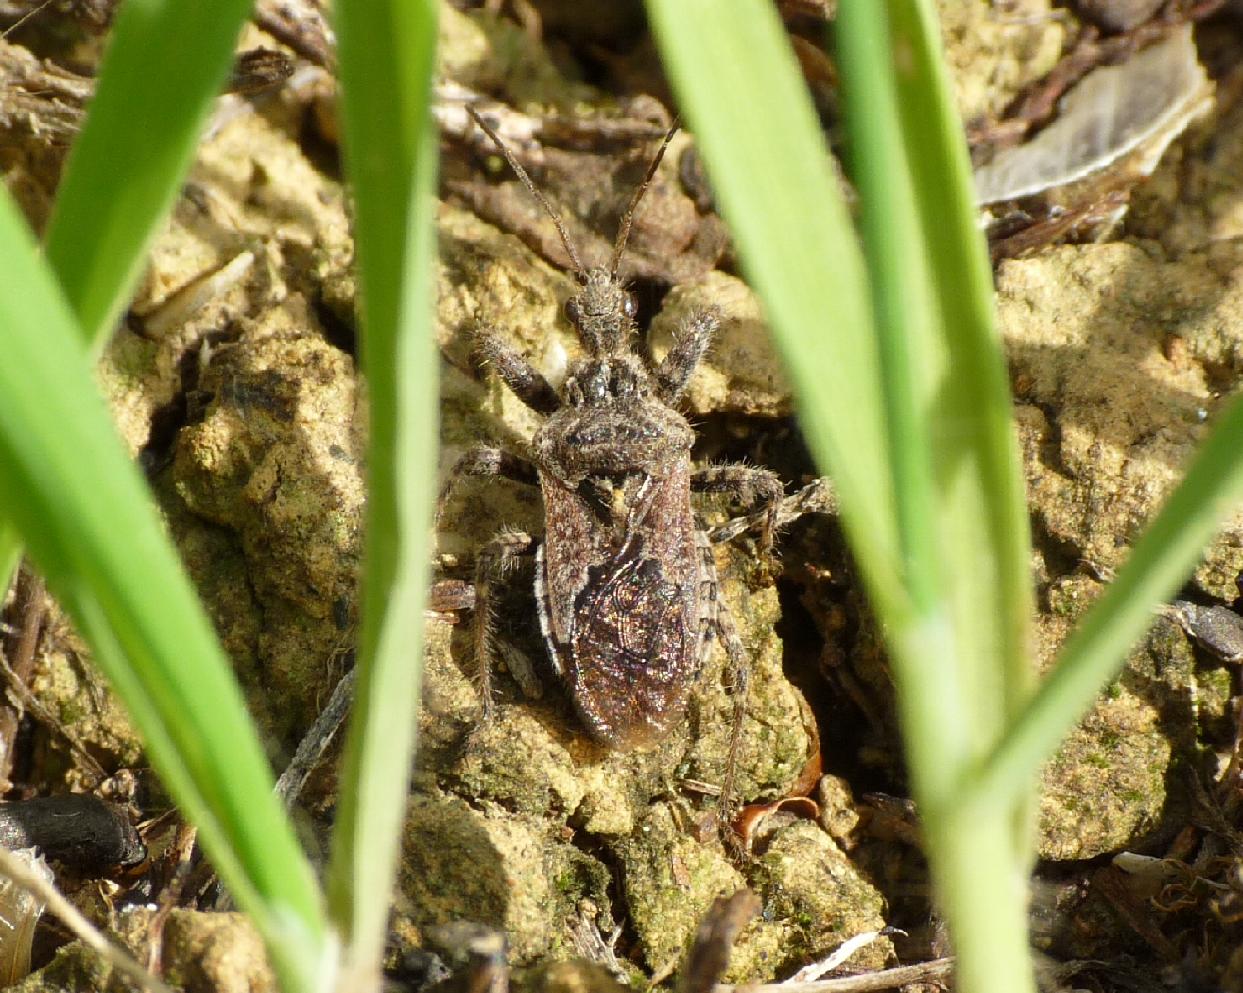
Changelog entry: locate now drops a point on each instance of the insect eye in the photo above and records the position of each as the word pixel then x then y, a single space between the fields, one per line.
pixel 630 305
pixel 573 312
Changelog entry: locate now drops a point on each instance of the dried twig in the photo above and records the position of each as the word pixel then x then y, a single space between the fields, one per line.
pixel 301 25
pixel 316 741
pixel 21 874
pixel 171 894
pixel 40 97
pixel 869 982
pixel 841 955
pixel 28 610
pixel 24 18
pixel 28 700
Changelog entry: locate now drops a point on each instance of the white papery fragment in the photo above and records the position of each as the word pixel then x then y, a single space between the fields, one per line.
pixel 20 911
pixel 1146 101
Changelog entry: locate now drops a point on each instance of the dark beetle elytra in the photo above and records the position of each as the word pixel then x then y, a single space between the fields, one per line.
pixel 625 583
pixel 78 829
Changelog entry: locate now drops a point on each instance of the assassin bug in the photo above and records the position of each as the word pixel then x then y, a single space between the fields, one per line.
pixel 625 583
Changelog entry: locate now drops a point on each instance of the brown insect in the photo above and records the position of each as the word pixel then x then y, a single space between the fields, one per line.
pixel 625 582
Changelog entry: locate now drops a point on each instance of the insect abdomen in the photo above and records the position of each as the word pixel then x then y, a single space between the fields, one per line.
pixel 623 623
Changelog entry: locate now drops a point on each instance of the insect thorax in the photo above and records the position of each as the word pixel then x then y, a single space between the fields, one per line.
pixel 611 425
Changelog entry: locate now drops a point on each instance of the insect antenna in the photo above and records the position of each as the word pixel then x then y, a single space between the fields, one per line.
pixel 535 192
pixel 623 232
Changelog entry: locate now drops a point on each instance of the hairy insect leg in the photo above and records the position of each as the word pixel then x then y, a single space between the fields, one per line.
pixel 495 559
pixel 484 460
pixel 751 486
pixel 740 678
pixel 816 497
pixel 526 382
pixel 716 621
pixel 690 342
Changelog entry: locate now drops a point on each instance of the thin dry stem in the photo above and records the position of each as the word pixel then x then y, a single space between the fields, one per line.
pixel 21 874
pixel 869 982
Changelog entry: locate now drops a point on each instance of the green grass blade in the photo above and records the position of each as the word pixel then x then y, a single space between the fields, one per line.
pixel 936 442
pixel 966 537
pixel 973 414
pixel 931 690
pixel 83 510
pixel 951 419
pixel 758 134
pixel 128 164
pixel 165 64
pixel 896 263
pixel 387 58
pixel 1159 563
pixel 10 556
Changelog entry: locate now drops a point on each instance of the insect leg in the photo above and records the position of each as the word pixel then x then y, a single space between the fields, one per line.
pixel 690 342
pixel 484 460
pixel 526 382
pixel 718 621
pixel 495 558
pixel 740 677
pixel 754 487
pixel 817 497
pixel 447 597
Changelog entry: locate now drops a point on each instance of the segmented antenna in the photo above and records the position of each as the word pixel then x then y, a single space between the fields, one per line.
pixel 623 232
pixel 526 181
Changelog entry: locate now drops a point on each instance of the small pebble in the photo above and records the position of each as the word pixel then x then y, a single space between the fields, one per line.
pixel 1218 629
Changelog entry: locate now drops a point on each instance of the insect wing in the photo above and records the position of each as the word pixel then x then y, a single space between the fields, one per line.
pixel 623 626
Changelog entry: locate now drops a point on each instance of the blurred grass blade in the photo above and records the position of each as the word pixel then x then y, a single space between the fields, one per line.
pixel 387 59
pixel 83 510
pixel 10 555
pixel 165 63
pixel 933 290
pixel 935 435
pixel 911 365
pixel 759 137
pixel 144 134
pixel 949 409
pixel 974 443
pixel 1159 563
pixel 896 264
